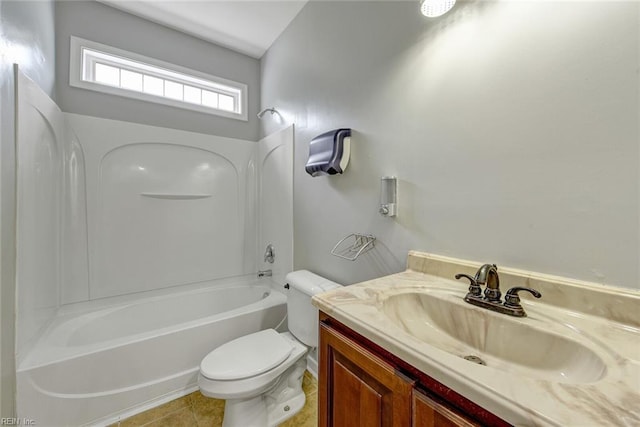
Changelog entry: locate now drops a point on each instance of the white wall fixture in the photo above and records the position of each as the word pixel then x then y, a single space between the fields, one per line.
pixel 388 196
pixel 435 8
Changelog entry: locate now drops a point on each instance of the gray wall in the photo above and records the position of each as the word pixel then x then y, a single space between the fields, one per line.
pixel 512 126
pixel 97 22
pixel 26 38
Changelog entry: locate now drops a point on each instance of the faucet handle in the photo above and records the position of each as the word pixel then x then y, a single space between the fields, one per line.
pixel 269 254
pixel 511 298
pixel 474 288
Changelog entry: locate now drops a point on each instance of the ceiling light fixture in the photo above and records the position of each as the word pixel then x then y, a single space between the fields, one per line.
pixel 435 8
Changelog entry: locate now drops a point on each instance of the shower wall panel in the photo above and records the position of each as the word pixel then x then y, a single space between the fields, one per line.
pixel 74 250
pixel 165 207
pixel 275 200
pixel 39 151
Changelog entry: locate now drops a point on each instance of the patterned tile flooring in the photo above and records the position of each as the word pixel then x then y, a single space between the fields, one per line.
pixel 195 410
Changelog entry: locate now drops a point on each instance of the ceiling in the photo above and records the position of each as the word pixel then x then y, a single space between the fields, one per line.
pixel 246 26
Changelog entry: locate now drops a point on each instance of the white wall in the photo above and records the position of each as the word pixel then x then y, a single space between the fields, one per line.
pixel 26 38
pixel 103 24
pixel 512 126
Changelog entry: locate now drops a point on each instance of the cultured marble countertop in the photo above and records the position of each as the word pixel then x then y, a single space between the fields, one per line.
pixel 603 319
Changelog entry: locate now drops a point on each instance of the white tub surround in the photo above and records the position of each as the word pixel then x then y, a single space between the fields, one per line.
pixel 603 322
pixel 165 207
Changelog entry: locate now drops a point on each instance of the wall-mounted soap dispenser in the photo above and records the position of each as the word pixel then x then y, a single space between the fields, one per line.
pixel 388 195
pixel 329 153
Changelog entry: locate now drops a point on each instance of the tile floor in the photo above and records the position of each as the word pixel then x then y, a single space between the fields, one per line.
pixel 195 410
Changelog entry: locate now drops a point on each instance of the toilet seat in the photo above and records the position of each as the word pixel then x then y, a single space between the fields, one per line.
pixel 247 356
pixel 248 387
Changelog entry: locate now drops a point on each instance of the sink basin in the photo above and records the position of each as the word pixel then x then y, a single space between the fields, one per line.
pixel 525 346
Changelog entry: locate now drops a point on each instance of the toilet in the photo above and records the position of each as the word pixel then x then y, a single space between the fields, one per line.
pixel 260 374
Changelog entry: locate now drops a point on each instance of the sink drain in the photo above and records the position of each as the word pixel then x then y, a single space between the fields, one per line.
pixel 475 359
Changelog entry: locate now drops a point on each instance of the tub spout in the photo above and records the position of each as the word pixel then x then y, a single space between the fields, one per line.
pixel 265 273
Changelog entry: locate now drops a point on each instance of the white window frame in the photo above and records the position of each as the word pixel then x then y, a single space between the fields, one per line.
pixel 85 53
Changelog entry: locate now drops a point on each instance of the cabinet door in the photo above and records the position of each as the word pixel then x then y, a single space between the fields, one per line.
pixel 357 388
pixel 428 413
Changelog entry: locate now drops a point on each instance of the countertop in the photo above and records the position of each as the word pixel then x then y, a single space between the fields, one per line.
pixel 604 318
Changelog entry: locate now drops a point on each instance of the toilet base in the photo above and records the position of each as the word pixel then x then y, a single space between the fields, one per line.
pixel 285 399
pixel 286 410
pixel 245 412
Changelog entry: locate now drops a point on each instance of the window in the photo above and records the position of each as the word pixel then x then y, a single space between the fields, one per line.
pixel 102 68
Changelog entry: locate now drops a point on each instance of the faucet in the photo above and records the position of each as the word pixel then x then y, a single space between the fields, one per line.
pixel 488 275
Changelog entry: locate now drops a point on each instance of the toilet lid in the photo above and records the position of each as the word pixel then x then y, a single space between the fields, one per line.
pixel 246 356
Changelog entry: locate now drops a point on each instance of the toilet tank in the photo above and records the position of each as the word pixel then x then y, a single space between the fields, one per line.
pixel 303 316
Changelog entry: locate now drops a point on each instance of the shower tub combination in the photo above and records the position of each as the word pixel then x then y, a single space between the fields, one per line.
pixel 137 253
pixel 99 366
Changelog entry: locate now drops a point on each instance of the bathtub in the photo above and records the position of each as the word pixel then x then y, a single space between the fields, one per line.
pixel 100 363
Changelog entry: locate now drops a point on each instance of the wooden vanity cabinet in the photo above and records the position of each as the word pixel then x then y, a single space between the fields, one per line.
pixel 362 385
pixel 357 388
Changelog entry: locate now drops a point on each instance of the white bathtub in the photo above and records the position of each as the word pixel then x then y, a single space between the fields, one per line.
pixel 93 367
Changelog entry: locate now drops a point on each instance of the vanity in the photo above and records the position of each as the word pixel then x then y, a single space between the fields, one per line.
pixel 408 350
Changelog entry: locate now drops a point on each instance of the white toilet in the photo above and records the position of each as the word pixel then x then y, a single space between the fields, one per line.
pixel 260 375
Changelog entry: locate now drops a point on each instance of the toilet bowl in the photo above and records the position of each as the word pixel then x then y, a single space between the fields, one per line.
pixel 260 374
